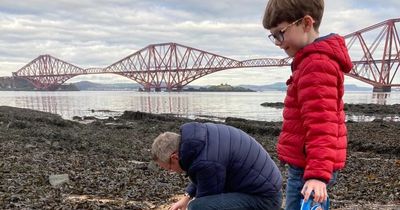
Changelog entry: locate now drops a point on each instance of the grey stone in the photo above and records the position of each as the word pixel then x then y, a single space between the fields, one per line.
pixel 58 179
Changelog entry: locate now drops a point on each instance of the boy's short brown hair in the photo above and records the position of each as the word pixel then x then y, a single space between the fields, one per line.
pixel 279 11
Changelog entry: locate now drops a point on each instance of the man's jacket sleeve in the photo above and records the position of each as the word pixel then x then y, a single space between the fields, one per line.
pixel 209 178
pixel 191 189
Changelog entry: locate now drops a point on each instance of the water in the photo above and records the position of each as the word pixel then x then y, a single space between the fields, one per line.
pixel 217 106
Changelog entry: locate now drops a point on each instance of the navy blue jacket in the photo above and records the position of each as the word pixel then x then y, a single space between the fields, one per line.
pixel 222 159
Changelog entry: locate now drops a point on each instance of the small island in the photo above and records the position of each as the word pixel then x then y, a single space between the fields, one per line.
pixel 219 88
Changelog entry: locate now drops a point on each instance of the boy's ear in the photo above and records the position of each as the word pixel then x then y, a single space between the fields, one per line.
pixel 308 23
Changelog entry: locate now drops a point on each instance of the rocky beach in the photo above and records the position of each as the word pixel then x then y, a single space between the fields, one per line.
pixel 51 163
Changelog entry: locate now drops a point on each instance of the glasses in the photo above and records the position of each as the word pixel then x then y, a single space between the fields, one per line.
pixel 279 35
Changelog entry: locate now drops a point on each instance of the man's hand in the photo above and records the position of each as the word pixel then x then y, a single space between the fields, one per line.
pixel 319 188
pixel 181 204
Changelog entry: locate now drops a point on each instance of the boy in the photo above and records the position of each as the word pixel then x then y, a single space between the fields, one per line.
pixel 313 139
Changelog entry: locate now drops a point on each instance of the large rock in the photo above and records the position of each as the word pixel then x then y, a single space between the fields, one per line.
pixel 58 179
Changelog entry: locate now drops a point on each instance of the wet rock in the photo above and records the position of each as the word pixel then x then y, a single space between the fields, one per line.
pixel 15 198
pixel 252 126
pixel 378 120
pixel 89 118
pixel 357 109
pixel 56 144
pixel 78 118
pixel 372 108
pixel 29 146
pixel 273 104
pixel 18 124
pixel 58 179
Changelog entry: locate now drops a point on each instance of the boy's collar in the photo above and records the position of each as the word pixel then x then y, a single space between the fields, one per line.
pixel 323 37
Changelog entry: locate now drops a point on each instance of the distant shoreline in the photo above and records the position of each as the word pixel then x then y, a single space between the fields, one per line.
pixel 223 87
pixel 355 108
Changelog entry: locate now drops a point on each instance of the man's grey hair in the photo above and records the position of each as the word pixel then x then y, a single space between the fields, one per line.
pixel 164 145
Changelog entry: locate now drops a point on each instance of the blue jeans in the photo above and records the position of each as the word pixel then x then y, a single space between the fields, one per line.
pixel 294 186
pixel 236 201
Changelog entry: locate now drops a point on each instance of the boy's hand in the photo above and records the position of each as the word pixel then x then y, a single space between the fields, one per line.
pixel 319 188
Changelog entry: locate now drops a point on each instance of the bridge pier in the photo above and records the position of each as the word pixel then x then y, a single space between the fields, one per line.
pixel 176 88
pixel 382 89
pixel 146 87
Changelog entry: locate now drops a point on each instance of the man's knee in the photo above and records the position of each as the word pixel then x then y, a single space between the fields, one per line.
pixel 194 205
pixel 197 204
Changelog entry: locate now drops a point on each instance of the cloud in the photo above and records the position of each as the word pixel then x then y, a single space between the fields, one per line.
pixel 97 33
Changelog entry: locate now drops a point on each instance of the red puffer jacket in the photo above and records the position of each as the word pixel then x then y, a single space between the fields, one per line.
pixel 314 133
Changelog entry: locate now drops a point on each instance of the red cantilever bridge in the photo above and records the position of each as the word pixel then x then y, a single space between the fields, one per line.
pixel 172 66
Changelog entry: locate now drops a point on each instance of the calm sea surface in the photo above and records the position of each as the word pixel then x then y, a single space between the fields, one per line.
pixel 214 105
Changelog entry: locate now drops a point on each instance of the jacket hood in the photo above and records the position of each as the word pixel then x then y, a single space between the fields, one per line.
pixel 331 45
pixel 193 140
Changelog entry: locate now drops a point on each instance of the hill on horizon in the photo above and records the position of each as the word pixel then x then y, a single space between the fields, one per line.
pixel 87 85
pixel 278 86
pixel 281 86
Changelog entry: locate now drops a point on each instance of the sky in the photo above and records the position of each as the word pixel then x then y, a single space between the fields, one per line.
pixel 97 33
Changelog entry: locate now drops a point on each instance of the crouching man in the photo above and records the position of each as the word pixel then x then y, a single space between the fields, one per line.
pixel 228 168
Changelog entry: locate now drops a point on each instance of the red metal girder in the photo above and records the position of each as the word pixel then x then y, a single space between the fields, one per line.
pixel 368 57
pixel 387 57
pixel 47 72
pixel 266 62
pixel 370 28
pixel 170 65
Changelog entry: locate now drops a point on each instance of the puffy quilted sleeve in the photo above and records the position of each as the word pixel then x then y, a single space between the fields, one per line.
pixel 191 189
pixel 318 99
pixel 210 178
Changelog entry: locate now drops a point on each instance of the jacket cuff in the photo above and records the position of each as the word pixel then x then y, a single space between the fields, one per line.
pixel 317 178
pixel 191 190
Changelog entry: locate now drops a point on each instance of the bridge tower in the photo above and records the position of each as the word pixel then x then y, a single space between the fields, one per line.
pixel 379 61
